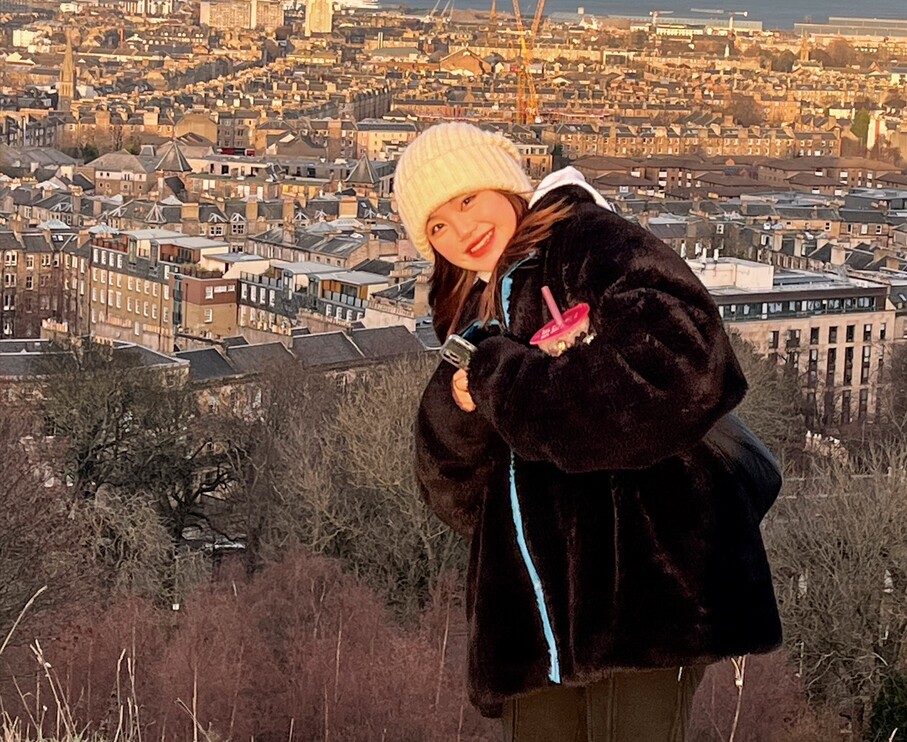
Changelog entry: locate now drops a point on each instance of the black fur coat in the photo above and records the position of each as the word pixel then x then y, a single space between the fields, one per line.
pixel 603 533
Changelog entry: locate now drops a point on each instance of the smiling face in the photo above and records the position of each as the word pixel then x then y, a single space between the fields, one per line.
pixel 472 230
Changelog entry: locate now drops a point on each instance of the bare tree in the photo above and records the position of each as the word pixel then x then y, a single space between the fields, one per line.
pixel 134 432
pixel 773 407
pixel 271 438
pixel 348 488
pixel 43 541
pixel 838 543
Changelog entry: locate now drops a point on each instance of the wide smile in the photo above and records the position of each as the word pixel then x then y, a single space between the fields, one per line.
pixel 478 248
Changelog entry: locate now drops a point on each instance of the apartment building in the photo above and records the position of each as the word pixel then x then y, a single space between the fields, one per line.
pixel 32 279
pixel 132 287
pixel 830 329
pixel 377 139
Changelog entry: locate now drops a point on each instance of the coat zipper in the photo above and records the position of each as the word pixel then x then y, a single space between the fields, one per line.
pixel 554 671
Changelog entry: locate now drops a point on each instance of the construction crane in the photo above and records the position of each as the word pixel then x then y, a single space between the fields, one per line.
pixel 527 96
pixel 718 12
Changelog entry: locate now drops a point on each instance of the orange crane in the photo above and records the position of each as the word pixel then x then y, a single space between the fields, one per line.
pixel 527 97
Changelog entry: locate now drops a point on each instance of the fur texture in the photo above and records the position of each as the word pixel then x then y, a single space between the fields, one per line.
pixel 648 554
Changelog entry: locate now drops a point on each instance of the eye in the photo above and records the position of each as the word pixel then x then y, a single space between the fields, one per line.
pixel 435 227
pixel 469 199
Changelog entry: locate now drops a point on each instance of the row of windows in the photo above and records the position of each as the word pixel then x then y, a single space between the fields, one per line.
pixel 253 293
pixel 132 284
pixel 850 332
pixel 44 303
pixel 10 281
pixel 338 312
pixel 831 369
pixel 795 308
pixel 838 409
pixel 11 258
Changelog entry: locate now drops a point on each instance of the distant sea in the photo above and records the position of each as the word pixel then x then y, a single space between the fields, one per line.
pixel 772 13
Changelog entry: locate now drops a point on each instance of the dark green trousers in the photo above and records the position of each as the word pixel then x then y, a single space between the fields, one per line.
pixel 627 706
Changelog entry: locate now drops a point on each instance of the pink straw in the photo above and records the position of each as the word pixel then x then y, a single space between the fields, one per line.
pixel 552 306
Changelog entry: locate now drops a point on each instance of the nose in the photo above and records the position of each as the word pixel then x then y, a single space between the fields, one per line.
pixel 463 225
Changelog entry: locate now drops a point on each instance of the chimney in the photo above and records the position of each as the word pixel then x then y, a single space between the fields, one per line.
pixel 251 211
pixel 289 213
pixel 420 298
pixel 189 212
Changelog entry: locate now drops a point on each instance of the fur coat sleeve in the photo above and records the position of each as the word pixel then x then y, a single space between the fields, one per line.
pixel 454 452
pixel 658 374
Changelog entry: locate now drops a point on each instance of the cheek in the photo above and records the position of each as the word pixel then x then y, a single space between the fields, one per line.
pixel 443 248
pixel 507 224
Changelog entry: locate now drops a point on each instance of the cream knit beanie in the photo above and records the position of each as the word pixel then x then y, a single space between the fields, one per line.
pixel 448 160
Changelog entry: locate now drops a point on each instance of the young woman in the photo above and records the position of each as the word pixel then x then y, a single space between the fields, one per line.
pixel 611 556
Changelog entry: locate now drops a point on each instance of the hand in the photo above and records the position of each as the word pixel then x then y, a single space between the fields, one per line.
pixel 460 389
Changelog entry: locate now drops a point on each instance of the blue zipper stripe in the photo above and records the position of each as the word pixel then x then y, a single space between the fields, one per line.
pixel 554 673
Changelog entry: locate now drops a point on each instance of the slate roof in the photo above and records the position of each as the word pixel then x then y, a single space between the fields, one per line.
pixel 326 349
pixel 386 342
pixel 363 173
pixel 206 364
pixel 250 359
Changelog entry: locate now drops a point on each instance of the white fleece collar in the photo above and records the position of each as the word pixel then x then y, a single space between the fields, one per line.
pixel 566 177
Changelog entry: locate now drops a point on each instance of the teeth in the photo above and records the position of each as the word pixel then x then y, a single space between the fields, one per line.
pixel 481 244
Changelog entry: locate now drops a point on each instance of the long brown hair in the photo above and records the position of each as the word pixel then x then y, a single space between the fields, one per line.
pixel 449 286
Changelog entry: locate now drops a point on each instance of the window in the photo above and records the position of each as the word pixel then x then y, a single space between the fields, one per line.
pixel 29 282
pixel 863 407
pixel 154 311
pixel 882 331
pixel 166 292
pixel 129 283
pixel 830 367
pixel 867 333
pixel 832 334
pixel 209 292
pixel 154 289
pixel 128 303
pixel 144 308
pixel 11 258
pixel 137 328
pixel 29 262
pixel 813 335
pixel 848 366
pixel 845 407
pixel 209 316
pixel 147 286
pixel 119 300
pixel 851 333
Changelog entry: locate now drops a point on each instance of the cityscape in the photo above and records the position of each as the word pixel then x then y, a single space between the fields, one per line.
pixel 206 188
